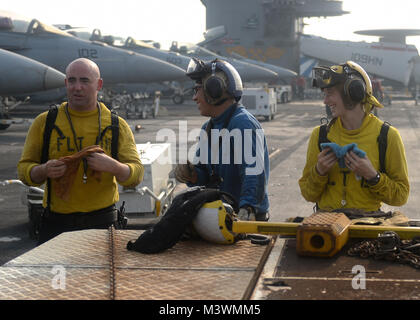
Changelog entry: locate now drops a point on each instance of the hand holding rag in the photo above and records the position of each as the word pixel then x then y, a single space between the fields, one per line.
pixel 63 184
pixel 340 152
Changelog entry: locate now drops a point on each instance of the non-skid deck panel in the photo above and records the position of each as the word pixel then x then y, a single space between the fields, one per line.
pixel 41 283
pixel 189 270
pixel 339 277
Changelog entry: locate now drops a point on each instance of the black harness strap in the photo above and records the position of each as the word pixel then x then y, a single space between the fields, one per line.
pixel 49 126
pixel 115 134
pixel 322 138
pixel 382 144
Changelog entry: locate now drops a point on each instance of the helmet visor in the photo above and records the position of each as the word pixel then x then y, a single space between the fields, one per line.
pixel 196 69
pixel 327 77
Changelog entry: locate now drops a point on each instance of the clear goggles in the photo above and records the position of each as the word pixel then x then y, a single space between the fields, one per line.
pixel 196 69
pixel 327 77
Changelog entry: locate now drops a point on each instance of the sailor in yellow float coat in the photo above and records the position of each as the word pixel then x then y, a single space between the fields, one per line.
pixel 359 185
pixel 80 121
pixel 94 194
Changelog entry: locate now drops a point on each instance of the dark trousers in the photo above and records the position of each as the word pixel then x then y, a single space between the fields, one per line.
pixel 54 223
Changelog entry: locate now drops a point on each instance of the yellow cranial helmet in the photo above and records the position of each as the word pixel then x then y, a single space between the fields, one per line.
pixel 357 84
pixel 362 73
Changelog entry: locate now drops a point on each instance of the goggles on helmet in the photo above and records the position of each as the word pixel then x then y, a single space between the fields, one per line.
pixel 196 69
pixel 327 77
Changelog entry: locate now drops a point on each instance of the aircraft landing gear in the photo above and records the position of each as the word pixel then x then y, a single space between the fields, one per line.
pixel 3 113
pixel 4 116
pixel 177 98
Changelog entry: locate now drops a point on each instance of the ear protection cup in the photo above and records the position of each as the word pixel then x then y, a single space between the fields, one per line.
pixel 214 87
pixel 219 79
pixel 355 89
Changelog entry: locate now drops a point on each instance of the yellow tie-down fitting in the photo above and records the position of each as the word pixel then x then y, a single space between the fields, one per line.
pixel 321 234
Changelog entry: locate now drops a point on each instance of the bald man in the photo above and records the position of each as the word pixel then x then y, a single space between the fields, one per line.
pixel 83 81
pixel 80 123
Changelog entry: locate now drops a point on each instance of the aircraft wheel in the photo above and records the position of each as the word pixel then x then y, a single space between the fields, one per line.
pixel 4 116
pixel 178 99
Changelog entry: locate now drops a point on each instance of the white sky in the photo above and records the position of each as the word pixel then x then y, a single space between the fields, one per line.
pixel 184 20
pixel 368 14
pixel 158 20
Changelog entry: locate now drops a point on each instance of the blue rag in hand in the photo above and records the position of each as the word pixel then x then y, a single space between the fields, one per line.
pixel 341 151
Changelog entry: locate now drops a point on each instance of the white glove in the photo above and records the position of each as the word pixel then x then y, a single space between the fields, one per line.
pixel 246 214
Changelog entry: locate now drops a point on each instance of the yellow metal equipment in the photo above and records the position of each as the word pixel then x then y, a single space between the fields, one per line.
pixel 321 234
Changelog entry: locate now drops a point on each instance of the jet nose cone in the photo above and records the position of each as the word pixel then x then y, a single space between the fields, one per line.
pixel 53 79
pixel 285 74
pixel 23 75
pixel 142 68
pixel 249 73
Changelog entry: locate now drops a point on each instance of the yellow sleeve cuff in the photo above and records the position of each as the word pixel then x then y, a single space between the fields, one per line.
pixel 135 177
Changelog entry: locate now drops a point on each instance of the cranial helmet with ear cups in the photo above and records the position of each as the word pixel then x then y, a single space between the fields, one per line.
pixel 219 78
pixel 356 81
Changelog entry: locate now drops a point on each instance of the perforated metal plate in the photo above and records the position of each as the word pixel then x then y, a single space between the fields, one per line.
pixel 189 270
pixel 290 276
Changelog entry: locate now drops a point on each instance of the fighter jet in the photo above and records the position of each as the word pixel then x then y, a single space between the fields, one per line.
pixel 249 72
pixel 57 49
pixel 21 75
pixel 285 75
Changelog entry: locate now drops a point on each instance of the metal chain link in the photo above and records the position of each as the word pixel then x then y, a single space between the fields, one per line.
pixel 399 253
pixel 112 287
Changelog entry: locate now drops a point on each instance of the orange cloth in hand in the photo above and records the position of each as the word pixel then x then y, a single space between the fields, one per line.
pixel 63 184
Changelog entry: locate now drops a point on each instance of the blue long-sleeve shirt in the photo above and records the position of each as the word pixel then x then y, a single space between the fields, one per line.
pixel 239 157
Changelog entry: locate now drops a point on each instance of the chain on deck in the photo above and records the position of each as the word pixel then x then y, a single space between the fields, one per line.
pixel 98 266
pixel 111 263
